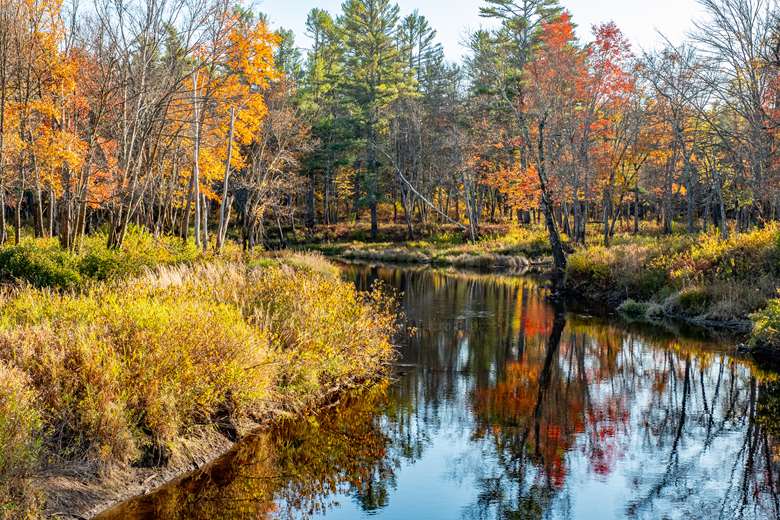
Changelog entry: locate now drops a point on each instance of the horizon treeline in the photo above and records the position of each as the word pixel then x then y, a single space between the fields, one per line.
pixel 193 117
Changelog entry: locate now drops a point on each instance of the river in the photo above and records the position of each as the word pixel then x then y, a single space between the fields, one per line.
pixel 501 407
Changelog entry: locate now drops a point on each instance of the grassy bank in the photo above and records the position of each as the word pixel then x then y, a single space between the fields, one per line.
pixel 700 279
pixel 42 263
pixel 516 249
pixel 120 374
pixel 695 278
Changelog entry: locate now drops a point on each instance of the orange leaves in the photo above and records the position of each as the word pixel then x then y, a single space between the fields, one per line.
pixel 521 186
pixel 236 78
pixel 40 93
pixel 558 65
pixel 251 53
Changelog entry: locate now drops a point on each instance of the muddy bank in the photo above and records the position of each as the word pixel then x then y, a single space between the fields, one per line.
pixel 76 492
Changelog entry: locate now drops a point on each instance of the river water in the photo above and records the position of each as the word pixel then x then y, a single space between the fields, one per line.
pixel 503 408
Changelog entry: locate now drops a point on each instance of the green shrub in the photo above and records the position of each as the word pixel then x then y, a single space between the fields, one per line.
pixel 40 264
pixel 766 326
pixel 634 309
pixel 140 251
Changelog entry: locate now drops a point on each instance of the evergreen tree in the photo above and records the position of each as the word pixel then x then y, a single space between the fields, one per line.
pixel 372 80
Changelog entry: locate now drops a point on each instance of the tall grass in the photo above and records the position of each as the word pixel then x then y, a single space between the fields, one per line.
pixel 118 373
pixel 20 429
pixel 699 277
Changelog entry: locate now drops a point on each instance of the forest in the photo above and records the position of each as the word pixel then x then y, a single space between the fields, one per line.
pixel 167 163
pixel 193 117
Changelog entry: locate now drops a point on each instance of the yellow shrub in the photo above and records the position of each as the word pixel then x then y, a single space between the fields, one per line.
pixel 122 370
pixel 20 426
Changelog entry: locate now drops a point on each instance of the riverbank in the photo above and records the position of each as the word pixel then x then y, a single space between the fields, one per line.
pixel 487 356
pixel 517 250
pixel 696 279
pixel 110 387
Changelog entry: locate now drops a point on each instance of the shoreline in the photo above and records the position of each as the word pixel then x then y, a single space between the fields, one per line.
pixel 208 444
pixel 94 496
pixel 124 386
pixel 606 306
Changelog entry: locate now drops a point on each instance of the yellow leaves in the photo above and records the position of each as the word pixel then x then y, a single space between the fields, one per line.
pixel 236 79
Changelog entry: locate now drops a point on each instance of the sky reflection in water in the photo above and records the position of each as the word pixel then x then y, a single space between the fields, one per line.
pixel 503 409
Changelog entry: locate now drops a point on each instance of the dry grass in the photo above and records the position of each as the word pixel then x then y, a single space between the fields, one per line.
pixel 120 372
pixel 699 277
pixel 20 428
pixel 513 250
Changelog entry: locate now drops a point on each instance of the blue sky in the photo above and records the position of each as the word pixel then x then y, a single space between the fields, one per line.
pixel 638 19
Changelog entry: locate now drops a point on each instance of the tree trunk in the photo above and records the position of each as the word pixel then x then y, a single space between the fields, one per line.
pixel 559 255
pixel 222 229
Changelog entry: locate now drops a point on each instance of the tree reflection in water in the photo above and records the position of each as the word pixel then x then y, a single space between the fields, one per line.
pixel 294 469
pixel 536 414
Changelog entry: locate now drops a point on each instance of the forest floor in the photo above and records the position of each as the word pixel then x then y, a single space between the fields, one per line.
pixel 122 369
pixel 697 278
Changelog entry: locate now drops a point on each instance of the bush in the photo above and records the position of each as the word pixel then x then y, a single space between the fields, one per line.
pixel 766 328
pixel 634 309
pixel 140 251
pixel 691 301
pixel 122 371
pixel 616 273
pixel 701 276
pixel 40 264
pixel 739 258
pixel 328 335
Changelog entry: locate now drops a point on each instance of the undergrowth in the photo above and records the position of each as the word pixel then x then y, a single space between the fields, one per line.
pixel 42 263
pixel 117 373
pixel 700 277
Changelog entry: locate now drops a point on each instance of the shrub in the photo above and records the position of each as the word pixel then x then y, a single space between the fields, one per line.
pixel 634 309
pixel 140 251
pixel 616 273
pixel 766 328
pixel 121 371
pixel 691 301
pixel 739 258
pixel 329 336
pixel 40 264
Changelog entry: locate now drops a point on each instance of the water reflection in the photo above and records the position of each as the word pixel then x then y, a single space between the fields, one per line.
pixel 505 408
